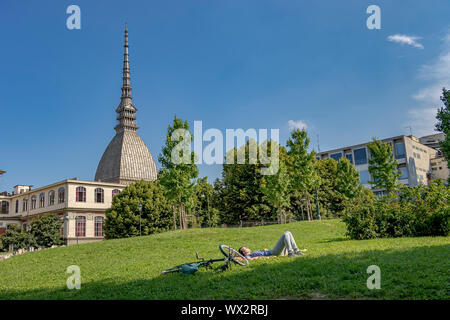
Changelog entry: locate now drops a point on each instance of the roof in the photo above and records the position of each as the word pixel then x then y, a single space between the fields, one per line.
pixel 126 158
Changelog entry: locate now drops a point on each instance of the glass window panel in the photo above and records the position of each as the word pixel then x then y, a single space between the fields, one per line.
pixel 404 172
pixel 360 156
pixel 336 156
pixel 349 157
pixel 364 177
pixel 400 150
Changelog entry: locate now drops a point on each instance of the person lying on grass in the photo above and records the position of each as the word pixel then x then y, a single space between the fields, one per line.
pixel 286 241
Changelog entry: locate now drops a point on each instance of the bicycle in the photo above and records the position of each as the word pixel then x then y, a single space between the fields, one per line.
pixel 230 254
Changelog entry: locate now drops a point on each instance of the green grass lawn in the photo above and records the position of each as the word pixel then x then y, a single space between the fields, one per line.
pixel 334 267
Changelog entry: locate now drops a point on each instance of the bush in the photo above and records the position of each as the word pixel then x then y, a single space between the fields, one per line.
pixel 122 219
pixel 46 230
pixel 18 237
pixel 412 211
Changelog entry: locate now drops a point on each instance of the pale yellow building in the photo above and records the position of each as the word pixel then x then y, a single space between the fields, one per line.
pixel 80 204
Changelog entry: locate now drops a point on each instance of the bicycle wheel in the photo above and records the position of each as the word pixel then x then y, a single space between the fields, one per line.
pixel 233 255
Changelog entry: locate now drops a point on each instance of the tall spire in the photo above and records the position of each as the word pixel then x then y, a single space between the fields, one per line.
pixel 126 87
pixel 126 111
pixel 126 159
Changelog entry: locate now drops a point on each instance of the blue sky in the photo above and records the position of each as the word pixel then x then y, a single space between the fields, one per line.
pixel 232 64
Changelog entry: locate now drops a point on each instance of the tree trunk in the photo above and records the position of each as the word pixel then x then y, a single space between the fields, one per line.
pixel 183 215
pixel 303 215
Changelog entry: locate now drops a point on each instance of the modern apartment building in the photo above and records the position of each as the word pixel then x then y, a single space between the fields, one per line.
pixel 414 159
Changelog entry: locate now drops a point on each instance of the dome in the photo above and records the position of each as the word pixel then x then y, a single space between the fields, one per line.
pixel 126 160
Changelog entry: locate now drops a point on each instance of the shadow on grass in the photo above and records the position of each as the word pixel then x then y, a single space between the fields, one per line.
pixel 340 239
pixel 416 273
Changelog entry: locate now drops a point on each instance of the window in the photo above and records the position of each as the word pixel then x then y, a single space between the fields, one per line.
pixel 421 179
pixel 99 195
pixel 51 198
pixel 61 195
pixel 33 202
pixel 360 156
pixel 349 156
pixel 400 150
pixel 17 206
pixel 404 173
pixel 81 194
pixel 115 192
pixel 364 177
pixel 336 156
pixel 42 200
pixel 80 226
pixel 5 207
pixel 99 226
pixel 24 204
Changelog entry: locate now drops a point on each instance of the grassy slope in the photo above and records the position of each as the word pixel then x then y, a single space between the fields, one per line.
pixel 411 268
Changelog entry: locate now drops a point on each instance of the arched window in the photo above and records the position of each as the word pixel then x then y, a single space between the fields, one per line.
pixel 5 207
pixel 33 202
pixel 81 194
pixel 17 206
pixel 24 204
pixel 99 195
pixel 61 195
pixel 80 226
pixel 99 226
pixel 51 198
pixel 115 192
pixel 42 200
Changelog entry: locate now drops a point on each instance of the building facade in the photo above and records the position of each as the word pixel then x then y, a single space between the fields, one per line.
pixel 415 159
pixel 82 204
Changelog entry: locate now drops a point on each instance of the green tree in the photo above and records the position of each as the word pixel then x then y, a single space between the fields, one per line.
pixel 124 220
pixel 383 166
pixel 275 185
pixel 347 183
pixel 443 124
pixel 46 230
pixel 301 166
pixel 347 179
pixel 18 238
pixel 326 170
pixel 239 190
pixel 205 212
pixel 178 168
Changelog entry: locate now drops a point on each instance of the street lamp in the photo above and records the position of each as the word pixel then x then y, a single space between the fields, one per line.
pixel 317 205
pixel 140 218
